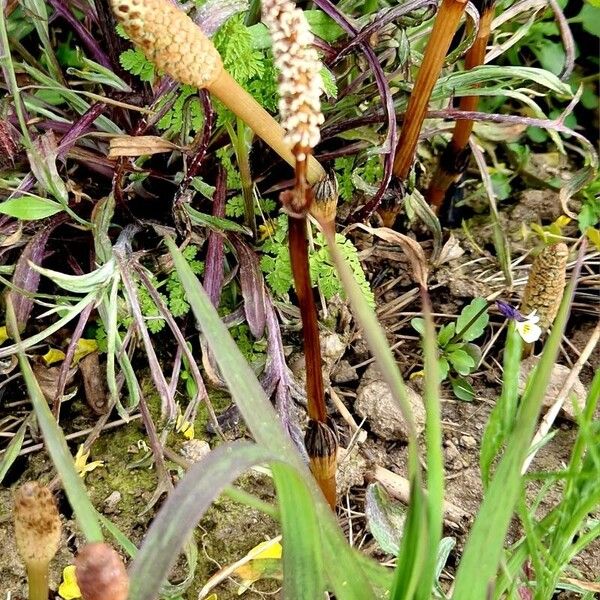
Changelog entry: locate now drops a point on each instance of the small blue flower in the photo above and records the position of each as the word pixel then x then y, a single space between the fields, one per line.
pixel 527 326
pixel 510 312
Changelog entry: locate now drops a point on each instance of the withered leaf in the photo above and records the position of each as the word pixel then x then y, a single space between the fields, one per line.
pixel 131 145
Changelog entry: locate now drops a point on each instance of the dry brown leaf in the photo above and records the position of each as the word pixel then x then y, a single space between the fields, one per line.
pixel 12 239
pixel 94 383
pixel 451 250
pixel 139 145
pixel 411 248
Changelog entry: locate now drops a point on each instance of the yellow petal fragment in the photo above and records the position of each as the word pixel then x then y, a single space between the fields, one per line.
pixel 83 348
pixel 81 463
pixel 184 427
pixel 263 561
pixel 3 335
pixel 68 589
pixel 53 356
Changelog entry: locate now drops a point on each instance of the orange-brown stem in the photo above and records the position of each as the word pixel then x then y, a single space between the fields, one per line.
pixel 444 28
pixel 298 244
pixel 474 57
pixel 445 176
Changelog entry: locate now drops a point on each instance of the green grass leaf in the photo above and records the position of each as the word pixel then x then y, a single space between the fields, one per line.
pixel 483 551
pixel 57 448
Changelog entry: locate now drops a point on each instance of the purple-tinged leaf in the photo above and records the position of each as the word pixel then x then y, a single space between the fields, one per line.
pixel 213 273
pixel 73 133
pixel 64 368
pixel 389 15
pixel 183 510
pixel 8 143
pixel 252 284
pixel 277 378
pixel 25 279
pixel 42 160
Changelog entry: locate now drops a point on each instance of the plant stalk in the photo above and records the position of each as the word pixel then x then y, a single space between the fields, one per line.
pixel 37 578
pixel 453 161
pixel 298 243
pixel 243 105
pixel 444 28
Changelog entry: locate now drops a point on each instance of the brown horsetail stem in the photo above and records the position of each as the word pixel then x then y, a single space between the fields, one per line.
pixel 454 159
pixel 300 87
pixel 546 284
pixel 100 573
pixel 444 28
pixel 37 533
pixel 178 47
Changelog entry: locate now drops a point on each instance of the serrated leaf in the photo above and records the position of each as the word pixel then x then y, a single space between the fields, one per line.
pixel 462 389
pixel 385 518
pixel 30 208
pixel 473 320
pixel 329 85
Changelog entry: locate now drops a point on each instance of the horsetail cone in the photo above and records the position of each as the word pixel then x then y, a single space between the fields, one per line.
pixel 37 523
pixel 546 284
pixel 179 48
pixel 37 533
pixel 171 40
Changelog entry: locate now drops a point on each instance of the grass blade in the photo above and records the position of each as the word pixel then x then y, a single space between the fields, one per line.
pixel 56 445
pixel 182 511
pixel 484 548
pixel 263 422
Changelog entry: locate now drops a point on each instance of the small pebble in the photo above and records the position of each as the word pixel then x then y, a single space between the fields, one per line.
pixel 468 441
pixel 344 372
pixel 195 450
pixel 110 504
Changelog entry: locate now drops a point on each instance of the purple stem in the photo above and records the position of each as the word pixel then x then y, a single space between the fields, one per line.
pixel 198 157
pixel 85 36
pixel 66 364
pixel 388 16
pixel 388 103
pixel 567 39
pixel 213 274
